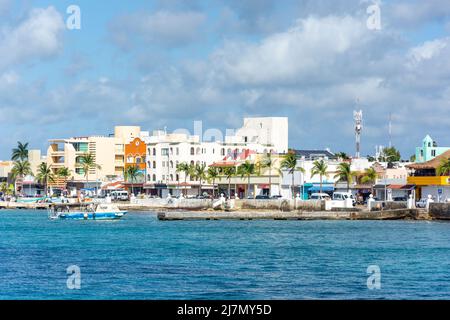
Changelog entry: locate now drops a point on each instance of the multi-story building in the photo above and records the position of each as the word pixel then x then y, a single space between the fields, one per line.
pixel 427 180
pixel 108 151
pixel 429 150
pixel 166 150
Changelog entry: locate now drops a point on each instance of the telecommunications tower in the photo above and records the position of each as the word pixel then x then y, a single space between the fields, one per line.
pixel 358 117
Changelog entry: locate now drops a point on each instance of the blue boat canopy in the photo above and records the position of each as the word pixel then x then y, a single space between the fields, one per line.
pixel 324 189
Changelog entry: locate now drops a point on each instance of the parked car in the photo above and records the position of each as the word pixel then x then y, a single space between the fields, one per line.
pixel 344 196
pixel 262 197
pixel 120 195
pixel 320 196
pixel 422 203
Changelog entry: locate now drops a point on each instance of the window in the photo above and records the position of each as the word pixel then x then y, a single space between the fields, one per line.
pixel 138 160
pixel 222 152
pixel 165 152
pixel 163 164
pixel 421 153
pixel 192 151
pixel 154 177
pixel 178 151
pixel 171 164
pixel 79 171
pixel 154 164
pixel 433 153
pixel 154 151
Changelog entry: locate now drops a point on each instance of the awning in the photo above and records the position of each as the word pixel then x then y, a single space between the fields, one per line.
pixel 324 189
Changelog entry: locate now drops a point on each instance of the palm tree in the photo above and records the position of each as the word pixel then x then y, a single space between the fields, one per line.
pixel 267 162
pixel 199 172
pixel 213 174
pixel 21 168
pixel 131 174
pixel 64 173
pixel 229 173
pixel 45 175
pixel 289 163
pixel 186 169
pixel 319 168
pixel 342 156
pixel 443 168
pixel 370 176
pixel 6 189
pixel 344 173
pixel 246 170
pixel 87 162
pixel 21 152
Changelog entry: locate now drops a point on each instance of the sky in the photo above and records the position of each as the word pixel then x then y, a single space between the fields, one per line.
pixel 168 63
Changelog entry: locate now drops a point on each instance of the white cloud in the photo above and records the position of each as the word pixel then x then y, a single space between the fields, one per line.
pixel 428 50
pixel 37 37
pixel 311 45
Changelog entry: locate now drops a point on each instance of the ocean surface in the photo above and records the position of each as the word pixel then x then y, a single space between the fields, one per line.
pixel 140 257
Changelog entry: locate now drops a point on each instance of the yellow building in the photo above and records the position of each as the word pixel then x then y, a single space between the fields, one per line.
pixel 108 152
pixel 428 182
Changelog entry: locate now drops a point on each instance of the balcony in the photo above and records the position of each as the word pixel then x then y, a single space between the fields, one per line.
pixel 430 181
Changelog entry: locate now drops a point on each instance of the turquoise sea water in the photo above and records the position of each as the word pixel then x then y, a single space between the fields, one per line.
pixel 140 257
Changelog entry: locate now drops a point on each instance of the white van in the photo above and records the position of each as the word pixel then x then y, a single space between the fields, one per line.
pixel 343 196
pixel 120 195
pixel 320 196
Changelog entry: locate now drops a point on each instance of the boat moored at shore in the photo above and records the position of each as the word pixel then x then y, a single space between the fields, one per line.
pixel 86 211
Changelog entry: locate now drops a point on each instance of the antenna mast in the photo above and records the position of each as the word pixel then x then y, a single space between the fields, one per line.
pixel 358 117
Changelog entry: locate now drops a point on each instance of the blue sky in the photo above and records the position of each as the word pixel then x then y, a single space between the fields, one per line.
pixel 170 62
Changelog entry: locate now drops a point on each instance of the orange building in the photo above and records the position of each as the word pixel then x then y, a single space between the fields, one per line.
pixel 135 154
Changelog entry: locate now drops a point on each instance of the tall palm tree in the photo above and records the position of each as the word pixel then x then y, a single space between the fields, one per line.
pixel 21 168
pixel 443 168
pixel 21 152
pixel 213 174
pixel 199 172
pixel 289 163
pixel 64 173
pixel 186 169
pixel 267 162
pixel 319 168
pixel 131 174
pixel 229 173
pixel 87 162
pixel 246 170
pixel 370 176
pixel 45 175
pixel 344 173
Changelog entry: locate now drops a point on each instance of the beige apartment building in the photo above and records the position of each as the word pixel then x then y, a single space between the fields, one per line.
pixel 108 152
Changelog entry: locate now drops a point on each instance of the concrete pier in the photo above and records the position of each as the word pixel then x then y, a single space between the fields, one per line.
pixel 25 206
pixel 278 215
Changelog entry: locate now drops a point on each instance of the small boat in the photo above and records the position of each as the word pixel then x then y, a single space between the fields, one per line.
pixel 86 211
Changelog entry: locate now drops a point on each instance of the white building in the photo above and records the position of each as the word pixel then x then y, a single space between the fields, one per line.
pixel 166 150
